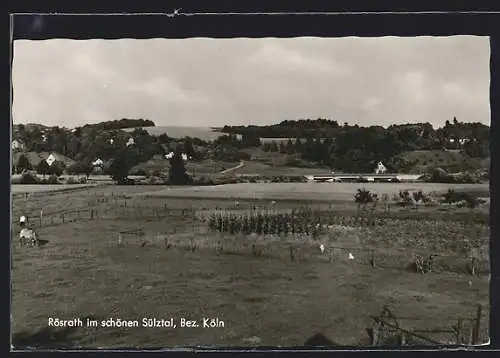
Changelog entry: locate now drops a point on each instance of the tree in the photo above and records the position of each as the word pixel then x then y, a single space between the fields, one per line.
pixel 43 168
pixel 188 147
pixel 290 148
pixel 298 145
pixel 81 168
pixel 23 163
pixel 163 138
pixel 177 173
pixel 282 148
pixel 119 168
pixel 274 146
pixel 57 168
pixel 476 149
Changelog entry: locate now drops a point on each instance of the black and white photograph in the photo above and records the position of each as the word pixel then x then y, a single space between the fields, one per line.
pixel 250 192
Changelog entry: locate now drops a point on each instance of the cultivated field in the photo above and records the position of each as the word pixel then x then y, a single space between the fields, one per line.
pixel 268 289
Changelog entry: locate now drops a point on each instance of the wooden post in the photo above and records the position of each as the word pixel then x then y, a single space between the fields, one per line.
pixel 120 238
pixel 41 217
pixel 91 214
pixel 375 334
pixel 373 259
pixel 477 325
pixel 403 339
pixel 62 217
pixel 471 333
pixel 473 266
pixel 459 331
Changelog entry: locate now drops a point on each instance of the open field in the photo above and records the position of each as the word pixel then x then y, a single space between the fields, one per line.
pixel 265 299
pixel 204 167
pixel 36 188
pixel 307 191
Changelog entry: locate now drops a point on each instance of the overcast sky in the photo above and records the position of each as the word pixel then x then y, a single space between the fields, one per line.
pixel 212 82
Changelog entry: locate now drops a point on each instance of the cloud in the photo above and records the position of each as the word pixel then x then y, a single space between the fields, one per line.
pixel 274 57
pixel 205 82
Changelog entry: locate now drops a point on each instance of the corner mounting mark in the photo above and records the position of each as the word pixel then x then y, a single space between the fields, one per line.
pixel 175 13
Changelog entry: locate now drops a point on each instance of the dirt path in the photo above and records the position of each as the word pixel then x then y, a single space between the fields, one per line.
pixel 242 163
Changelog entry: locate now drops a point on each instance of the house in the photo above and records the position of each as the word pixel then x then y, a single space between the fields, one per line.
pixel 381 169
pixel 171 154
pixel 98 165
pixel 17 145
pixel 51 159
pixel 98 162
pixel 130 142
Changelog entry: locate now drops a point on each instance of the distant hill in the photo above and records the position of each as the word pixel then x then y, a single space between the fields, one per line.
pixel 204 133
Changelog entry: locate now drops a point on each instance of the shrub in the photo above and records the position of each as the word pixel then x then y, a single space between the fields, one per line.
pixel 71 180
pixel 203 181
pixel 363 197
pixel 139 172
pixel 52 180
pixel 463 198
pixel 83 180
pixel 29 178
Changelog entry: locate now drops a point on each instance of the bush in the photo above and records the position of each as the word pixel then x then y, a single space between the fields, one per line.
pixel 71 180
pixel 232 156
pixel 83 180
pixel 203 181
pixel 439 175
pixel 29 178
pixel 52 180
pixel 363 197
pixel 139 172
pixel 462 198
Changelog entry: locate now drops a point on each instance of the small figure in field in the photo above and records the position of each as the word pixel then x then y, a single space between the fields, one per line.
pixel 27 236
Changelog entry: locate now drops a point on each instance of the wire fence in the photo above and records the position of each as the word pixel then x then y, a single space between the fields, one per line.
pixel 391 329
pixel 295 244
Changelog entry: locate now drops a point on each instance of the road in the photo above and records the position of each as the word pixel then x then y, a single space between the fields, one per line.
pixel 242 163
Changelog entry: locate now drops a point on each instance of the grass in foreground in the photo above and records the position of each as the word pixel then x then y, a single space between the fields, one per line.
pixel 81 272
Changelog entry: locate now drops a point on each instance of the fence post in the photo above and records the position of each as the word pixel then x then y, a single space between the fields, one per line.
pixel 373 259
pixel 459 331
pixel 473 266
pixel 477 325
pixel 403 339
pixel 375 334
